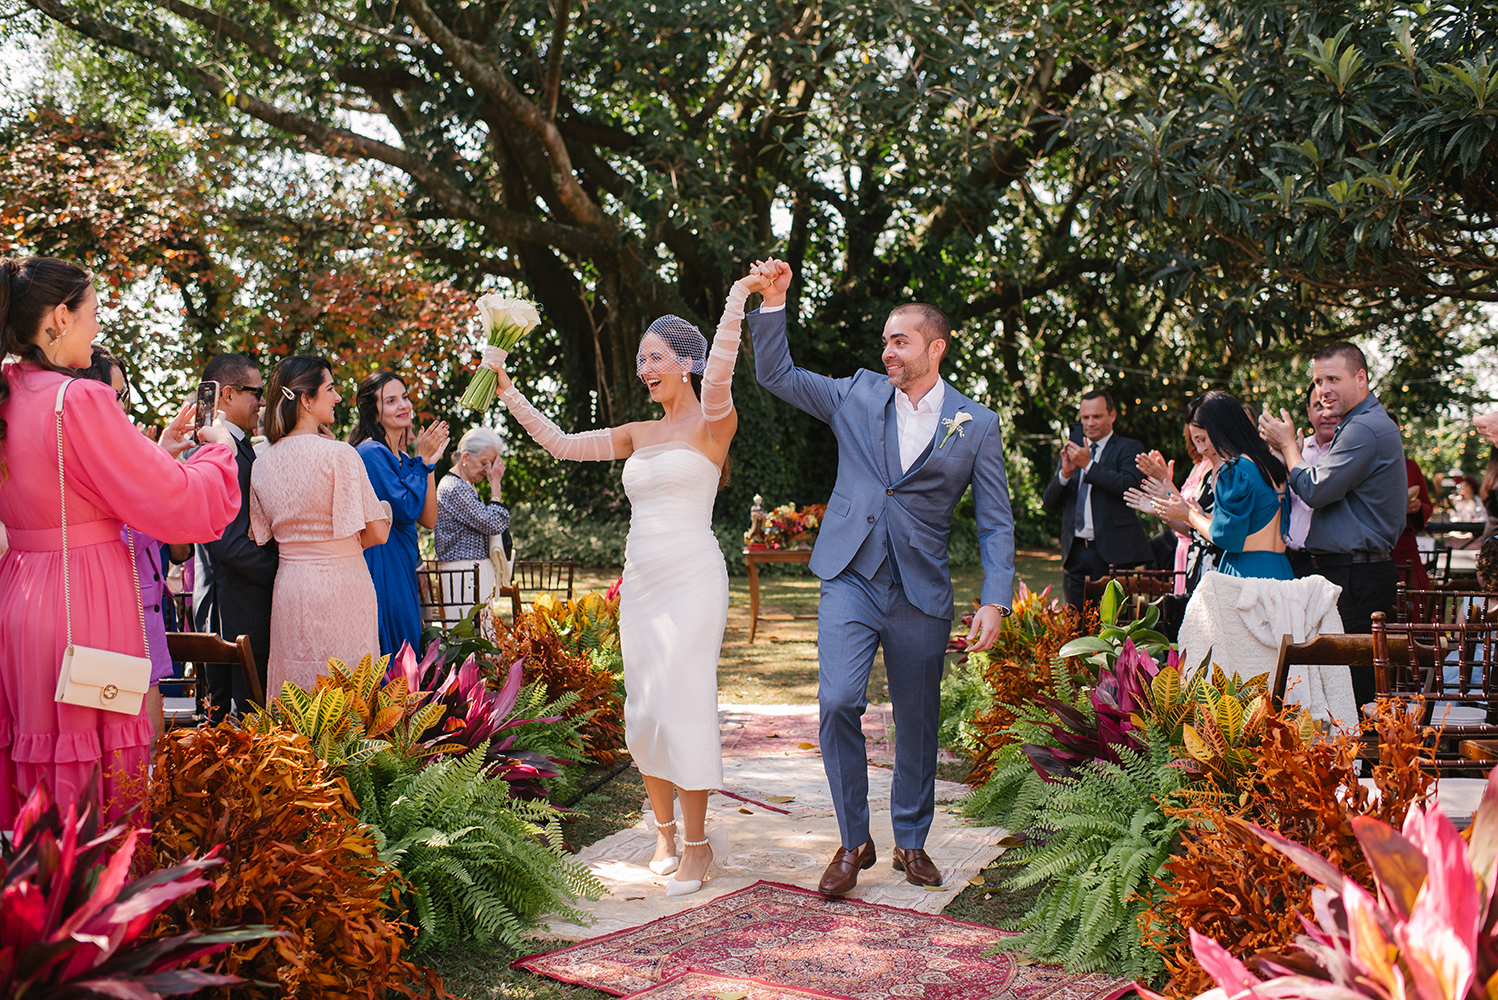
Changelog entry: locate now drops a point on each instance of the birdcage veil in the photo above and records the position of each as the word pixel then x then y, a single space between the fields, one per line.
pixel 685 341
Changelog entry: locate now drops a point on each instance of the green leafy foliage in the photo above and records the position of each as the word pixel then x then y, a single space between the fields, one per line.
pixel 483 865
pixel 1093 852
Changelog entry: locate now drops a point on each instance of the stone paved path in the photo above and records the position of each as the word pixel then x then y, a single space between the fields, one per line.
pixel 771 751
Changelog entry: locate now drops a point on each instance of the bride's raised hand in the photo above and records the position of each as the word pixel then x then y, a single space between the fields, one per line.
pixel 754 281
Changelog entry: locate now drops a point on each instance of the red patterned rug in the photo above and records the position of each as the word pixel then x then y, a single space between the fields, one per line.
pixel 807 945
pixel 711 986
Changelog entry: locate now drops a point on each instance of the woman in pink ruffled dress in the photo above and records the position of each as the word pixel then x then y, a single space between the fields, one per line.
pixel 115 476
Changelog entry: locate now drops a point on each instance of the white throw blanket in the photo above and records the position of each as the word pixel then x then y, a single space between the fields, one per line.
pixel 1241 620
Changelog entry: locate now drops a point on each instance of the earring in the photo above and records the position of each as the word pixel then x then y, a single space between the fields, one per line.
pixel 53 336
pixel 684 377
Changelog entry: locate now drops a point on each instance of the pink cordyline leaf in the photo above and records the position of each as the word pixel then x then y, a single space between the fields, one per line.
pixel 1397 861
pixel 31 811
pixel 1303 857
pixel 153 900
pixel 1369 942
pixel 1482 849
pixel 23 915
pixel 110 881
pixel 505 703
pixel 1219 963
pixel 1451 888
pixel 63 860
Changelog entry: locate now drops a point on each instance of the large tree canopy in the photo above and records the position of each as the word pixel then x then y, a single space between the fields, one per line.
pixel 1101 192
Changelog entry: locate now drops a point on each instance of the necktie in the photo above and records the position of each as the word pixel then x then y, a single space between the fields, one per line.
pixel 1084 494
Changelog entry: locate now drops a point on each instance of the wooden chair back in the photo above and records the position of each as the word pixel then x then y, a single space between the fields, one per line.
pixel 1447 607
pixel 1329 650
pixel 1141 587
pixel 447 594
pixel 549 576
pixel 1461 658
pixel 200 649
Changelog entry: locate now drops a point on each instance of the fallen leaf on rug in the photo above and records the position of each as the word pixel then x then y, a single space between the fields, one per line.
pixel 936 888
pixel 780 798
pixel 806 746
pixel 793 945
pixel 749 812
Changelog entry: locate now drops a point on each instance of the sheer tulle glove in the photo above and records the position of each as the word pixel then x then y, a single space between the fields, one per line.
pixel 717 380
pixel 589 446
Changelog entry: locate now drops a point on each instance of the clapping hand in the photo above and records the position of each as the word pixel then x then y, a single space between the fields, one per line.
pixel 432 442
pixel 1279 433
pixel 1487 426
pixel 1153 465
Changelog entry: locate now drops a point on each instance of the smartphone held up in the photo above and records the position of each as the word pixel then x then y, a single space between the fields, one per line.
pixel 207 403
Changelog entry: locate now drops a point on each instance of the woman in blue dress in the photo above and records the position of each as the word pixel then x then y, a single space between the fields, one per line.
pixel 382 435
pixel 1251 505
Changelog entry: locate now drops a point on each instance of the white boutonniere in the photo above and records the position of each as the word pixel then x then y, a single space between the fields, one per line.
pixel 954 426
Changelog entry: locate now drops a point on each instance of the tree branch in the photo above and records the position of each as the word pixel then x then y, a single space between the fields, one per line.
pixel 332 141
pixel 553 83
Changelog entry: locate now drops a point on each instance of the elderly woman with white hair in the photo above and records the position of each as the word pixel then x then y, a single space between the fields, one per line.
pixel 465 523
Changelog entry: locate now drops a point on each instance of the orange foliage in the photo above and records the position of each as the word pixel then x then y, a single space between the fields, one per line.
pixel 1232 887
pixel 1021 666
pixel 548 660
pixel 298 859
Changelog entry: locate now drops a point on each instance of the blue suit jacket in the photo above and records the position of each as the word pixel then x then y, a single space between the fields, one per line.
pixel 915 506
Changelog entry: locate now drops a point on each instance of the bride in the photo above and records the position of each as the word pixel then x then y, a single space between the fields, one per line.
pixel 674 598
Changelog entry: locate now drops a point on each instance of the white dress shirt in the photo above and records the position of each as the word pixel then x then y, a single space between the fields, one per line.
pixel 1085 530
pixel 916 422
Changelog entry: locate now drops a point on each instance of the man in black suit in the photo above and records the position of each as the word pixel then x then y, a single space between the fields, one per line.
pixel 1098 528
pixel 237 573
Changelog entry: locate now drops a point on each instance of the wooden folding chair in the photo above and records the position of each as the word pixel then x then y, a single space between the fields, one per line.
pixel 1450 666
pixel 199 649
pixel 549 576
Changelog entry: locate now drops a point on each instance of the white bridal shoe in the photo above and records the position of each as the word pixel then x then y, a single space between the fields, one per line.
pixel 685 887
pixel 665 866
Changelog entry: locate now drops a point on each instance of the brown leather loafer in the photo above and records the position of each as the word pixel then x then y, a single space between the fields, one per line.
pixel 842 874
pixel 918 869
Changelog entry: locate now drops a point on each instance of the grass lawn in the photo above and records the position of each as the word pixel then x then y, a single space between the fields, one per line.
pixel 779 668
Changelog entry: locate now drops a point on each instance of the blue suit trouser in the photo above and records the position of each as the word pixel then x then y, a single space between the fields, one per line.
pixel 855 617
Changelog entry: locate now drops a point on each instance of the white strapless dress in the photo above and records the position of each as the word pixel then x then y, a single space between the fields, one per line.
pixel 673 608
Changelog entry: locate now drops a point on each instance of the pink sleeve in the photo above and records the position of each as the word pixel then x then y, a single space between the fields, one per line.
pixel 354 501
pixel 115 467
pixel 259 526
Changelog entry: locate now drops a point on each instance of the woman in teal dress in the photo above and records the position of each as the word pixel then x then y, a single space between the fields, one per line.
pixel 382 434
pixel 1251 509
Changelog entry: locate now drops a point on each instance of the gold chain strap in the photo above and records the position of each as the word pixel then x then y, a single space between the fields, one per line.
pixel 67 591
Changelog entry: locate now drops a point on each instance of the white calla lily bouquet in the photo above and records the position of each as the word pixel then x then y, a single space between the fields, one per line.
pixel 506 322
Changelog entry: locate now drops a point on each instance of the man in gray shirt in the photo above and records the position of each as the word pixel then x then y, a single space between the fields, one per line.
pixel 1357 492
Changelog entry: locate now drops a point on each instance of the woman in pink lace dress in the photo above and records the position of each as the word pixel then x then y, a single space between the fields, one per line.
pixel 114 476
pixel 312 495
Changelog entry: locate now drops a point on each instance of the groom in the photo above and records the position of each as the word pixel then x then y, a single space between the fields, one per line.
pixel 909 445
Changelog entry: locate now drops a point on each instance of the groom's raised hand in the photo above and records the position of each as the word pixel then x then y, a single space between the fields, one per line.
pixel 778 275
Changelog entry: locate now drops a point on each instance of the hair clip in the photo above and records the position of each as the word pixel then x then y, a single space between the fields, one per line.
pixel 287 393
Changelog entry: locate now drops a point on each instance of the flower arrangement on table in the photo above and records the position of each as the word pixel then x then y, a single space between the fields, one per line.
pixel 787 528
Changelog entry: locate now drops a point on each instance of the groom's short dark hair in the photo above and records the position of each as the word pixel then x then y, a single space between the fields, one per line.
pixel 931 321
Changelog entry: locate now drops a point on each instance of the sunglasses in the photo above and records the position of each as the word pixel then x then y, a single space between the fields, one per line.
pixel 258 390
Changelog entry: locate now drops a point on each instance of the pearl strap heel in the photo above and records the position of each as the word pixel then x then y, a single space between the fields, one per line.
pixel 666 866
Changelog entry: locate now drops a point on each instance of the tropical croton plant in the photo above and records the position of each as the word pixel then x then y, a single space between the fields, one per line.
pixel 1430 933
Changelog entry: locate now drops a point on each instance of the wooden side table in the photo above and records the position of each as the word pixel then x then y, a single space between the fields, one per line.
pixel 752 560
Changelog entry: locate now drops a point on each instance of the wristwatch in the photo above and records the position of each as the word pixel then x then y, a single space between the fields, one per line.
pixel 1003 611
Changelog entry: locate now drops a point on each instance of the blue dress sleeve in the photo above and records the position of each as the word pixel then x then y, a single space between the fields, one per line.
pixel 1233 504
pixel 400 479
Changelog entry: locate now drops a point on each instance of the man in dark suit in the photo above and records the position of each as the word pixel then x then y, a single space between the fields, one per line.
pixel 237 573
pixel 1098 528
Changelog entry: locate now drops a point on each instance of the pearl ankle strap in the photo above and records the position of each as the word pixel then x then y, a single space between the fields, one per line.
pixel 662 826
pixel 695 843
